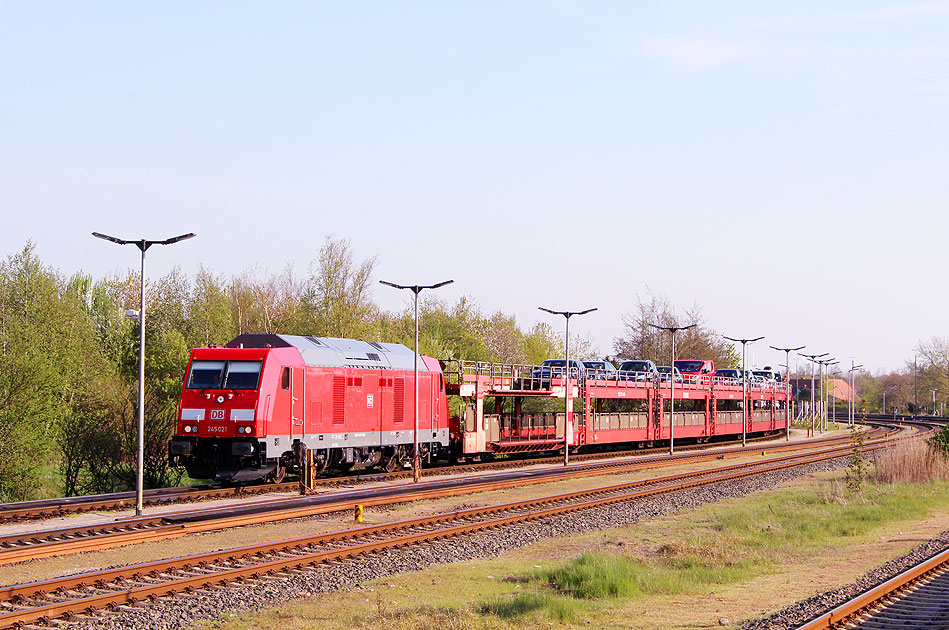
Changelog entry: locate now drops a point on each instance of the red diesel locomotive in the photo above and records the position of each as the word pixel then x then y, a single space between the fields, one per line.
pixel 248 408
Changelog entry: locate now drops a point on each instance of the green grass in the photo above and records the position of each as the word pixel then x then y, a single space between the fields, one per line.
pixel 728 543
pixel 187 480
pixel 559 608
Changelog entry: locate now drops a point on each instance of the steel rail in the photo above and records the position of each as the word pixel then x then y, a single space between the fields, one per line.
pixel 20 547
pixel 27 604
pixel 51 508
pixel 849 610
pixel 34 545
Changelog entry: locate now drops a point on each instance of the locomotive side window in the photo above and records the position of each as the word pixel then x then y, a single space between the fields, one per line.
pixel 206 374
pixel 285 379
pixel 242 375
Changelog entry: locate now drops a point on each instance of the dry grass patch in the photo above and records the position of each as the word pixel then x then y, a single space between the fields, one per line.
pixel 910 461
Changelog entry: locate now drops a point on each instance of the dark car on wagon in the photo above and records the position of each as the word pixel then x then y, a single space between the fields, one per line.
pixel 638 370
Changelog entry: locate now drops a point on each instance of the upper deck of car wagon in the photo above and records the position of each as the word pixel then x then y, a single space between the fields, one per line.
pixel 478 379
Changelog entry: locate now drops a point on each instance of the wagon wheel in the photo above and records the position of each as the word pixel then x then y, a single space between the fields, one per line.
pixel 277 474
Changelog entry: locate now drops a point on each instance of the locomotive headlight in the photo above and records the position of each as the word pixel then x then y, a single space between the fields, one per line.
pixel 187 428
pixel 220 398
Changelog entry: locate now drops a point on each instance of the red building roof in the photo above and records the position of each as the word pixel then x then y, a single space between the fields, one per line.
pixel 840 388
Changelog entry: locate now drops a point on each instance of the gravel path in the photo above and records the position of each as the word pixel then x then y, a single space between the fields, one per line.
pixel 182 611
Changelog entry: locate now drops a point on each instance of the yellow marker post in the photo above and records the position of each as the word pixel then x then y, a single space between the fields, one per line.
pixel 357 513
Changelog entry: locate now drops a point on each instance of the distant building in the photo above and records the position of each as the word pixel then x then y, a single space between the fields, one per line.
pixel 840 389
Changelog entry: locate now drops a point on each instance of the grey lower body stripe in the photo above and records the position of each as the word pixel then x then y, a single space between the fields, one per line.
pixel 279 443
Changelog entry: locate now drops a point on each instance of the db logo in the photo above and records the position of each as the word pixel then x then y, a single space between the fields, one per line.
pixel 217 414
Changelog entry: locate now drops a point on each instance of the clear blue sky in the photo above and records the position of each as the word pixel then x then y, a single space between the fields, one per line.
pixel 781 164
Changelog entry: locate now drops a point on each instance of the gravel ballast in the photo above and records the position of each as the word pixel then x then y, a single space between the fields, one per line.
pixel 184 610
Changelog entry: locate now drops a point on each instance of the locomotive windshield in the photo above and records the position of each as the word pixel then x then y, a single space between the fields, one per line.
pixel 242 375
pixel 206 374
pixel 224 375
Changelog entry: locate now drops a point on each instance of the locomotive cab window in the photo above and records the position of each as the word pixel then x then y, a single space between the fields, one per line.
pixel 242 375
pixel 285 379
pixel 206 374
pixel 224 375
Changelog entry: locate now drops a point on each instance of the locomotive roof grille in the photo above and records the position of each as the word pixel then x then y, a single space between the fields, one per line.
pixel 336 352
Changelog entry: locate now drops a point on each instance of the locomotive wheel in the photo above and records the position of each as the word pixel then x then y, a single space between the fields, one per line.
pixel 277 474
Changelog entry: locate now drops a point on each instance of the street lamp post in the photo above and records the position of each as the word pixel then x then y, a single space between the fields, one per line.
pixel 416 289
pixel 915 386
pixel 822 417
pixel 567 411
pixel 834 391
pixel 812 358
pixel 672 383
pixel 852 400
pixel 143 245
pixel 744 386
pixel 827 390
pixel 788 404
pixel 850 397
pixel 788 408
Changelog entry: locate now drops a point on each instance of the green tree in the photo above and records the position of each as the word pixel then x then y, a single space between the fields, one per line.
pixel 933 371
pixel 337 298
pixel 503 340
pixel 541 343
pixel 209 312
pixel 51 367
pixel 859 465
pixel 939 442
pixel 445 332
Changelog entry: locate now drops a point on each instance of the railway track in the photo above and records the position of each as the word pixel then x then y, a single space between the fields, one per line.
pixel 52 508
pixel 38 544
pixel 66 597
pixel 916 598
